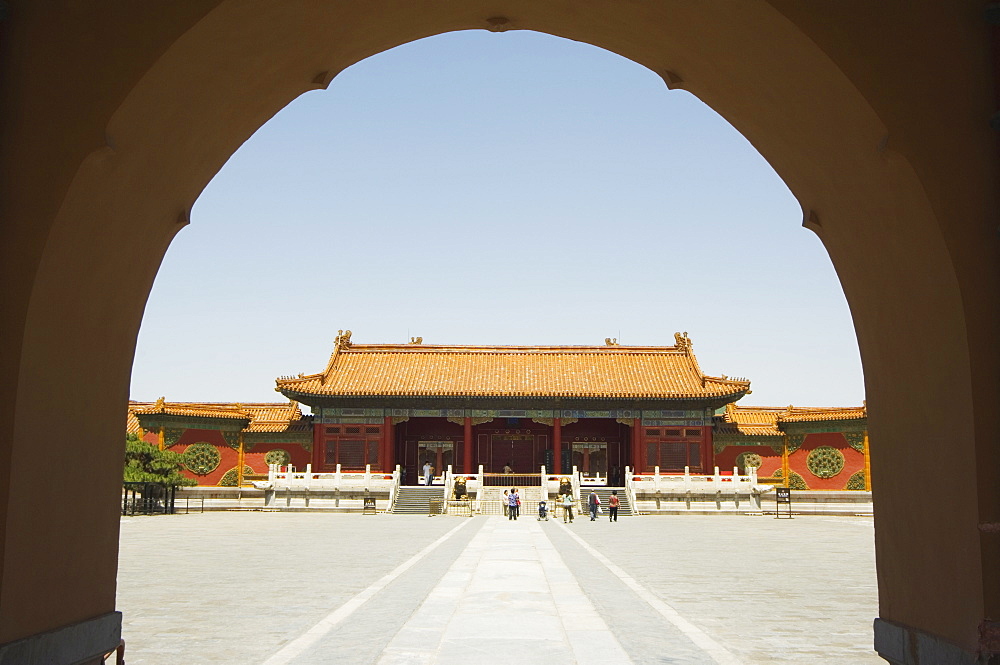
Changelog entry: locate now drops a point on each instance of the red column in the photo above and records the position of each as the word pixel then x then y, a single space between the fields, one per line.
pixel 638 463
pixel 467 447
pixel 388 446
pixel 708 454
pixel 557 445
pixel 317 452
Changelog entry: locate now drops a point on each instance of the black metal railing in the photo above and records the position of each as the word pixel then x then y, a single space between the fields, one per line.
pixel 148 498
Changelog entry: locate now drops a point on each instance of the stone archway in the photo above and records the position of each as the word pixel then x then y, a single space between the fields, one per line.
pixel 116 118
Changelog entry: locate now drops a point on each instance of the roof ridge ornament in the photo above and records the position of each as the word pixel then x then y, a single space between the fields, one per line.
pixel 343 340
pixel 682 342
pixel 416 340
pixel 609 341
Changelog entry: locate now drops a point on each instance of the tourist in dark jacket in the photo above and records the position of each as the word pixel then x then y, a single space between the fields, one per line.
pixel 513 504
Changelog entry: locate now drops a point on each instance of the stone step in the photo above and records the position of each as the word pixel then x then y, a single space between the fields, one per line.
pixel 416 500
pixel 625 507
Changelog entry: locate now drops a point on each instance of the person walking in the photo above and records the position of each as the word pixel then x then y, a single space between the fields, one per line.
pixel 613 503
pixel 428 472
pixel 567 506
pixel 513 505
pixel 504 502
pixel 594 503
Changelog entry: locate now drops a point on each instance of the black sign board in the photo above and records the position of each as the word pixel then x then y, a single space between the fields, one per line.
pixel 783 496
pixel 369 505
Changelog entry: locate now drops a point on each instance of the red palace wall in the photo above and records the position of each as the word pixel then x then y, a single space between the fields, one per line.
pixel 617 436
pixel 672 447
pixel 490 450
pixel 229 457
pixel 409 434
pixel 363 443
pixel 854 461
pixel 770 459
pixel 254 458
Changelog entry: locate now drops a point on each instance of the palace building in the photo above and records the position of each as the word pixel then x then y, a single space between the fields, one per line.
pixel 601 409
pixel 223 442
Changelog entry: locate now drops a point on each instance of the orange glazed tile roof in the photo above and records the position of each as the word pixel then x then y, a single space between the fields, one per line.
pixel 263 416
pixel 751 420
pixel 195 409
pixel 805 414
pixel 132 423
pixel 767 420
pixel 283 417
pixel 609 371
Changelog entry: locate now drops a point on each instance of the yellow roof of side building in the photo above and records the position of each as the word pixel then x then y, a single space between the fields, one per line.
pixel 750 420
pixel 424 370
pixel 767 420
pixel 259 416
pixel 798 414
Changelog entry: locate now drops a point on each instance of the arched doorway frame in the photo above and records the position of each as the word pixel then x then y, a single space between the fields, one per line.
pixel 153 136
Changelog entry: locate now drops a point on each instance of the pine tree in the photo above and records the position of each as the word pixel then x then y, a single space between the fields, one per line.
pixel 146 463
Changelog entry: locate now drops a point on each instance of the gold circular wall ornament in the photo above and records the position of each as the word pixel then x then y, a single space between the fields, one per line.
pixel 825 462
pixel 231 478
pixel 856 481
pixel 746 460
pixel 278 456
pixel 201 458
pixel 795 481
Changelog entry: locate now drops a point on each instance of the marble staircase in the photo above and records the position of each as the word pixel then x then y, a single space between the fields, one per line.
pixel 624 510
pixel 416 499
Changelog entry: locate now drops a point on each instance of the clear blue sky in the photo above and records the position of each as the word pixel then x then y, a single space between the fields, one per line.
pixel 480 188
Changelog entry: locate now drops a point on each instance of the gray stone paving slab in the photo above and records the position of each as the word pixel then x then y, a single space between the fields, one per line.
pixel 364 636
pixel 643 634
pixel 235 587
pixel 510 587
pixel 772 591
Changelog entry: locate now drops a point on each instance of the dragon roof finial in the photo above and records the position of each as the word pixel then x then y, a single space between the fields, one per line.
pixel 343 340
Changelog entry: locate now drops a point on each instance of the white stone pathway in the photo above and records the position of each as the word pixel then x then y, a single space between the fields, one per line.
pixel 293 650
pixel 716 651
pixel 508 598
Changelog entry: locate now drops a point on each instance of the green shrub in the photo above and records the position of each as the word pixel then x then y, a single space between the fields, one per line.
pixel 146 463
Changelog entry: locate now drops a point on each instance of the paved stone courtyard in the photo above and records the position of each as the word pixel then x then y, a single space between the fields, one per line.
pixel 275 588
